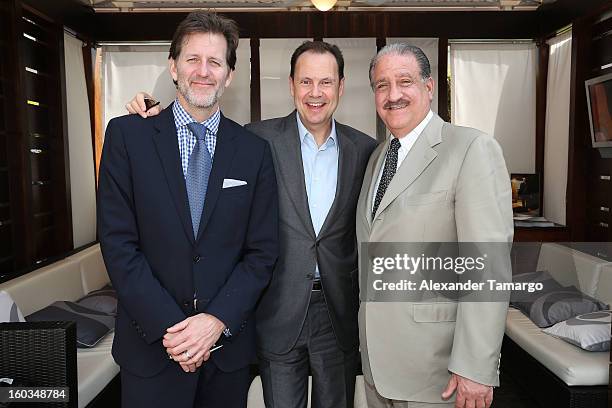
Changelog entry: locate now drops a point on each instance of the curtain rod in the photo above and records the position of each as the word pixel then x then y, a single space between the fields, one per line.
pixel 144 43
pixel 491 41
pixel 564 30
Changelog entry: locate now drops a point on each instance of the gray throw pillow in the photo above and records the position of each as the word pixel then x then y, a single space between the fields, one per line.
pixel 103 300
pixel 553 305
pixel 590 331
pixel 548 282
pixel 92 325
pixel 9 311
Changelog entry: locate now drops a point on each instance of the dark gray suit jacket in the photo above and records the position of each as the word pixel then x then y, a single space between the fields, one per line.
pixel 282 309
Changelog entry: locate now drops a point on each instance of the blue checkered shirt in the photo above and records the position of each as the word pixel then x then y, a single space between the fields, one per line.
pixel 187 140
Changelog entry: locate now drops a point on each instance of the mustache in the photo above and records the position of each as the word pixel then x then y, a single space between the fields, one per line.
pixel 394 104
pixel 206 80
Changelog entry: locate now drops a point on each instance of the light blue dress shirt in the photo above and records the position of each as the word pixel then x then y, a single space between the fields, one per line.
pixel 320 174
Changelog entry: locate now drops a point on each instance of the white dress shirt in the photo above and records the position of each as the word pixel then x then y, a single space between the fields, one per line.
pixel 406 144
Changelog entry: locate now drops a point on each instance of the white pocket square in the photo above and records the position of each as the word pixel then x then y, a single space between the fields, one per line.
pixel 228 183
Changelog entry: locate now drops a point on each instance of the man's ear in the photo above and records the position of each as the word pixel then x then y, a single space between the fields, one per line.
pixel 230 77
pixel 291 87
pixel 172 69
pixel 341 88
pixel 430 84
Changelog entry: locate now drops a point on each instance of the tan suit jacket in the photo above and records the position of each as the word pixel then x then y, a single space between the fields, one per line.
pixel 452 186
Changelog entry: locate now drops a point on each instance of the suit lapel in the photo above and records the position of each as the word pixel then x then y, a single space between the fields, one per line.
pixel 372 175
pixel 417 160
pixel 166 143
pixel 291 168
pixel 224 153
pixel 347 162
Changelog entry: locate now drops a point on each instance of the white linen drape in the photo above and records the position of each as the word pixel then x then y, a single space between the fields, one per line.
pixel 493 89
pixel 80 148
pixel 556 142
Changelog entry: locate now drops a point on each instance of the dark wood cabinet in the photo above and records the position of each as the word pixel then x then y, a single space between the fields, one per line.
pixel 35 219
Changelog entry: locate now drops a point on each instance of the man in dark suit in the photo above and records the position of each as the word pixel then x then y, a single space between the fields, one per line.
pixel 307 317
pixel 188 222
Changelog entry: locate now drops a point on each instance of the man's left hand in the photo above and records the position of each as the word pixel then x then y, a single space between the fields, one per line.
pixel 469 393
pixel 194 335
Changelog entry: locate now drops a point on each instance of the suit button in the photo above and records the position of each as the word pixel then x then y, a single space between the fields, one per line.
pixel 196 259
pixel 309 275
pixel 186 304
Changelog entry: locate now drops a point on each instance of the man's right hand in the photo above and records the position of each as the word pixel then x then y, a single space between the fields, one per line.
pixel 137 105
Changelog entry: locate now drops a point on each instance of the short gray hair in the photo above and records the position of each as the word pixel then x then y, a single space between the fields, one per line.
pixel 402 48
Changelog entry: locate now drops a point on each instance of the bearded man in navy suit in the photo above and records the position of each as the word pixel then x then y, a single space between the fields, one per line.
pixel 188 224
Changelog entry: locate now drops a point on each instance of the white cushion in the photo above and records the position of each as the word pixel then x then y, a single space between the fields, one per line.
pixel 589 331
pixel 571 364
pixel 36 290
pixel 96 368
pixel 9 311
pixel 255 397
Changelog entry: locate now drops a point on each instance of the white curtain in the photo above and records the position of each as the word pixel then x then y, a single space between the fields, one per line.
pixel 80 149
pixel 274 68
pixel 356 107
pixel 557 127
pixel 430 48
pixel 130 69
pixel 493 89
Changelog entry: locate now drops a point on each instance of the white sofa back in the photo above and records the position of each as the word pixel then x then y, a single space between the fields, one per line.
pixel 571 267
pixel 68 279
pixel 604 284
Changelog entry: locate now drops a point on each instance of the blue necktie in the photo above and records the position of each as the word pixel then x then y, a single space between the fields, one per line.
pixel 198 172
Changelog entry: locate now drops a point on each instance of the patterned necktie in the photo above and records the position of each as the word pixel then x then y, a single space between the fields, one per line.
pixel 388 173
pixel 198 172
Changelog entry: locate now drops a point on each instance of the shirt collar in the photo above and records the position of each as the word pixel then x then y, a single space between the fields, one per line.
pixel 416 132
pixel 303 132
pixel 182 118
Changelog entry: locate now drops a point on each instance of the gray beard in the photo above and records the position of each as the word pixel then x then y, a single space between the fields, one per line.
pixel 204 102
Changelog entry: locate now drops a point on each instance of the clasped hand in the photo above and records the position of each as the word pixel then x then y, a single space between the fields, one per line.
pixel 194 335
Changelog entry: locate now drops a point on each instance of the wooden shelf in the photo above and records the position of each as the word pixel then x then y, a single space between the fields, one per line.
pixel 5 223
pixel 41 183
pixel 28 21
pixel 39 73
pixel 6 259
pixel 37 41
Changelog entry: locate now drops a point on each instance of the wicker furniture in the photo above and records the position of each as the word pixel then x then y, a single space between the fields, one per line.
pixel 41 354
pixel 70 279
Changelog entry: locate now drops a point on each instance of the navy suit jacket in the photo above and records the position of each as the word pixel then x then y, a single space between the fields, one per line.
pixel 154 261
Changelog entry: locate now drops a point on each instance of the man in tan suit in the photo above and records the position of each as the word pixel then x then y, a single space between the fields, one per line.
pixel 429 182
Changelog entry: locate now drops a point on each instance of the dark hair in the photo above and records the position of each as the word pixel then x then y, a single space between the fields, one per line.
pixel 403 49
pixel 206 22
pixel 318 47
